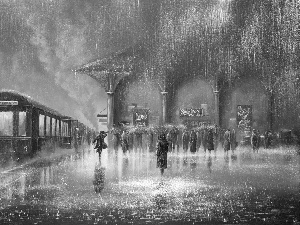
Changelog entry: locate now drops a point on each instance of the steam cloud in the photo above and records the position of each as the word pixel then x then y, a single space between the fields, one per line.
pixel 42 41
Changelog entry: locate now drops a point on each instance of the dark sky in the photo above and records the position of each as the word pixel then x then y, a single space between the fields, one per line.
pixel 41 41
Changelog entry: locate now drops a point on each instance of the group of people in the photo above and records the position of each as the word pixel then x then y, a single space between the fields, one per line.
pixel 190 140
pixel 256 140
pixel 194 140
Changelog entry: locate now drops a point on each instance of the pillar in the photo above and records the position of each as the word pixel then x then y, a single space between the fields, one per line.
pixel 271 109
pixel 110 110
pixel 164 107
pixel 217 108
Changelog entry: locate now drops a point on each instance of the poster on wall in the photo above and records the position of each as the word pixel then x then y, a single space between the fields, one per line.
pixel 140 117
pixel 244 117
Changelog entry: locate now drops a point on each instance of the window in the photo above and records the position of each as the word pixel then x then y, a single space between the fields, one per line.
pixel 57 127
pixel 6 123
pixel 22 124
pixel 41 125
pixel 53 126
pixel 48 126
pixel 65 129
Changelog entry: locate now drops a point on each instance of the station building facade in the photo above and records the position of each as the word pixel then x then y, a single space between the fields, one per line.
pixel 135 98
pixel 193 103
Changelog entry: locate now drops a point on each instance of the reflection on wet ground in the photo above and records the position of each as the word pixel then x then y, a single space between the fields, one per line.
pixel 244 188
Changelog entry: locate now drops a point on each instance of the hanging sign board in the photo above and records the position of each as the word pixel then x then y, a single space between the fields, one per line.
pixel 244 117
pixel 191 112
pixel 4 103
pixel 141 117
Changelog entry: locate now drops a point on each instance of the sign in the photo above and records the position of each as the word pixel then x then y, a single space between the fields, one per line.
pixel 140 117
pixel 244 117
pixel 191 112
pixel 8 103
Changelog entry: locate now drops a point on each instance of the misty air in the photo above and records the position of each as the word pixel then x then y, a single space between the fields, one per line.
pixel 150 112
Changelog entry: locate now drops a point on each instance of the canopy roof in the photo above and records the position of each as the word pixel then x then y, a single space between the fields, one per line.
pixel 110 70
pixel 120 61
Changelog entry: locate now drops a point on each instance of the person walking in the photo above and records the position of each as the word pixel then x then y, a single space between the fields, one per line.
pixel 185 140
pixel 193 141
pixel 174 138
pixel 199 139
pixel 162 147
pixel 150 138
pixel 254 140
pixel 204 139
pixel 226 143
pixel 124 141
pixel 169 139
pixel 99 142
pixel 210 140
pixel 233 143
pixel 268 138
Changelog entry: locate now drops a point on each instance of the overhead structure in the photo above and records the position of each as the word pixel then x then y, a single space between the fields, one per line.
pixel 108 72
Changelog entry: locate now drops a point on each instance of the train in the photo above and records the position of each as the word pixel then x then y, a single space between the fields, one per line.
pixel 27 127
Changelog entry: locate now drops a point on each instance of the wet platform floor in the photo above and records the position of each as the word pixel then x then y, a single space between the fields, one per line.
pixel 201 188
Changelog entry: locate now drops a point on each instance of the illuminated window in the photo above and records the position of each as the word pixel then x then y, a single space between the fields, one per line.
pixel 47 126
pixel 65 129
pixel 41 125
pixel 57 128
pixel 53 126
pixel 6 123
pixel 22 123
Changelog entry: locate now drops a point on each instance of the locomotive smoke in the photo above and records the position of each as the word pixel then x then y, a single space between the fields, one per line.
pixel 41 43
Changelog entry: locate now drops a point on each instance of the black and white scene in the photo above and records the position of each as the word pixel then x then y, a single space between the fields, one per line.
pixel 149 112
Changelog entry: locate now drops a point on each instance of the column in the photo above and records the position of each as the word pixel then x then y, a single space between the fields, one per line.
pixel 271 109
pixel 217 109
pixel 110 109
pixel 110 117
pixel 164 107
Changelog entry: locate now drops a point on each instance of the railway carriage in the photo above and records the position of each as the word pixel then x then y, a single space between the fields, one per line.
pixel 26 126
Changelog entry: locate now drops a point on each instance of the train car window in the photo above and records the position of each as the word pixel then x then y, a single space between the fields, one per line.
pixel 57 128
pixel 48 126
pixel 63 133
pixel 6 123
pixel 41 125
pixel 65 129
pixel 53 126
pixel 22 123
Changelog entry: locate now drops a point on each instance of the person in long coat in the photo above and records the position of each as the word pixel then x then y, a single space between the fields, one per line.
pixel 204 139
pixel 130 140
pixel 185 140
pixel 169 139
pixel 124 142
pixel 255 140
pixel 174 138
pixel 210 140
pixel 162 147
pixel 199 139
pixel 150 138
pixel 193 141
pixel 268 138
pixel 226 143
pixel 233 142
